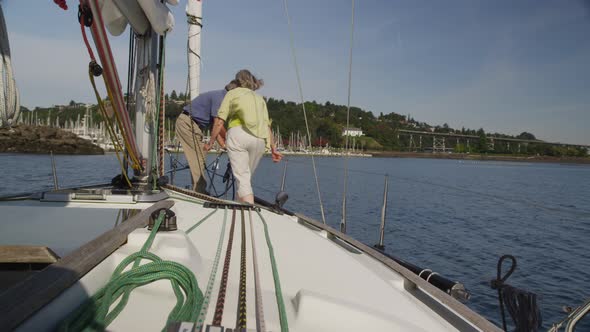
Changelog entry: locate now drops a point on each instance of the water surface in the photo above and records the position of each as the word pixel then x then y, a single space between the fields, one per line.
pixel 454 217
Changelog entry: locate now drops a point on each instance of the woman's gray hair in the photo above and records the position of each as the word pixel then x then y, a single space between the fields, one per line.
pixel 245 79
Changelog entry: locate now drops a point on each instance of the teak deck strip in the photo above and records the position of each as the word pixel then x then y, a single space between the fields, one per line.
pixel 27 254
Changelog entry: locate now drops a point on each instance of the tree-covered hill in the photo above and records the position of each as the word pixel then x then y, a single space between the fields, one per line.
pixel 327 121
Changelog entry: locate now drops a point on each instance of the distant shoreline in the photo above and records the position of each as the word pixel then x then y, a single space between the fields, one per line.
pixel 397 154
pixel 482 157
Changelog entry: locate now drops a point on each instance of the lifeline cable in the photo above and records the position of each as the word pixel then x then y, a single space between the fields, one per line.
pixel 241 312
pixel 223 287
pixel 212 276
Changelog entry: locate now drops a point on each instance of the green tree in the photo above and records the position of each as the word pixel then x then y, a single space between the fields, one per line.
pixel 173 95
pixel 482 142
pixel 525 135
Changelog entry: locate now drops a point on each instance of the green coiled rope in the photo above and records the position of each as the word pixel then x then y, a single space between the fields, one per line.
pixel 95 314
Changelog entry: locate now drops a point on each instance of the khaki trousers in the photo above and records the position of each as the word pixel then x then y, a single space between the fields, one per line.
pixel 190 136
pixel 244 151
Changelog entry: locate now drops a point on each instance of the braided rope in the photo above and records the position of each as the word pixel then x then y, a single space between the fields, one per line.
pixel 260 324
pixel 162 110
pixel 275 275
pixel 112 82
pixel 193 194
pixel 110 129
pixel 212 276
pixel 242 308
pixel 225 274
pixel 201 221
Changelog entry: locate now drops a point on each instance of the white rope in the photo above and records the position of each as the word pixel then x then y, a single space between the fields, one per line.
pixel 343 222
pixel 260 324
pixel 317 183
pixel 9 97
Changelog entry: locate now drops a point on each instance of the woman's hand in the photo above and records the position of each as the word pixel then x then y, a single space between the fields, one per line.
pixel 207 147
pixel 221 142
pixel 276 155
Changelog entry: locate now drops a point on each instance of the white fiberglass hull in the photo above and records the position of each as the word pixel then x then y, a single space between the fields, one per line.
pixel 327 283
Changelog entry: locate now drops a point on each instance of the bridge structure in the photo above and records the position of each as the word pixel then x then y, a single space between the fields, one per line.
pixel 440 141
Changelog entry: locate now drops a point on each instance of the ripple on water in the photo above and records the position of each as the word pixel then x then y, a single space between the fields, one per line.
pixel 455 218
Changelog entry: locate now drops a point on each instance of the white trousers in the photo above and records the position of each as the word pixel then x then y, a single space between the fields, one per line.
pixel 244 151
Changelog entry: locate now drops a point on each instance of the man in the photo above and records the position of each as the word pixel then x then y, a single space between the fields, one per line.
pixel 190 126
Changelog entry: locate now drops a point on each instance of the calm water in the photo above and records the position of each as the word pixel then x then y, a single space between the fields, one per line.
pixel 456 218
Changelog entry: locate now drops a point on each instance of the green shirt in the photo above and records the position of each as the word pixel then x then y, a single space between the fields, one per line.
pixel 243 107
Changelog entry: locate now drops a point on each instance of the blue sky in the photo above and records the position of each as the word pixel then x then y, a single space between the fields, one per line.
pixel 506 66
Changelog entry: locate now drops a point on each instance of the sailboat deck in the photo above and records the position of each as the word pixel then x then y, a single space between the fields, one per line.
pixel 326 283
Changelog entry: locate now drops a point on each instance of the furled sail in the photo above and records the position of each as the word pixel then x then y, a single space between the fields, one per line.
pixel 140 14
pixel 9 98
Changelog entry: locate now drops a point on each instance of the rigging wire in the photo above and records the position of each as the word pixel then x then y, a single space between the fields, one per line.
pixel 157 150
pixel 130 77
pixel 292 42
pixel 343 221
pixel 110 129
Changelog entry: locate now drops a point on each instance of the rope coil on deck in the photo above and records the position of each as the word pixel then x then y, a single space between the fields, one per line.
pixel 96 313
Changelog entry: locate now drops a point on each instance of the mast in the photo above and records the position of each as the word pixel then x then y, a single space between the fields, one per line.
pixel 147 56
pixel 194 17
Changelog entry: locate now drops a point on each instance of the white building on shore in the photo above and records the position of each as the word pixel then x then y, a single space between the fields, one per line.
pixel 352 132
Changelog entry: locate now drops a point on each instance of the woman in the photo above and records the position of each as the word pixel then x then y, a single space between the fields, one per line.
pixel 249 133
